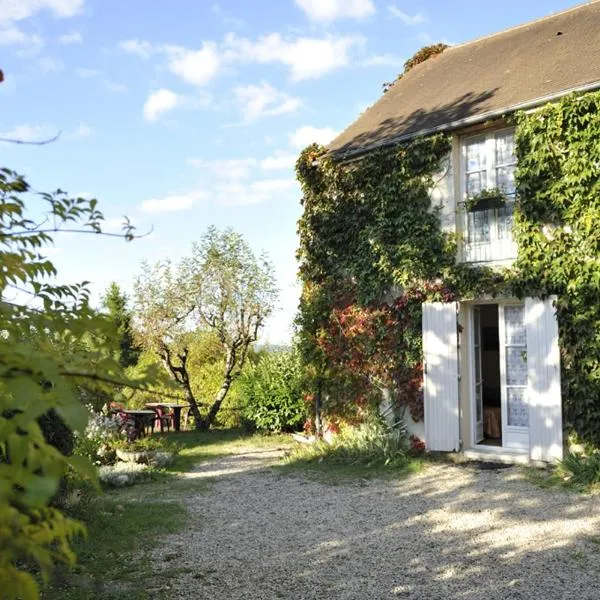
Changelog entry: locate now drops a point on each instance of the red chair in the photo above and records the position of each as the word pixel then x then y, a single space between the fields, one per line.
pixel 163 418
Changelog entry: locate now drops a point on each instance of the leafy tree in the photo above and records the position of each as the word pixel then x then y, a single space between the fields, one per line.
pixel 223 288
pixel 115 303
pixel 36 378
pixel 271 392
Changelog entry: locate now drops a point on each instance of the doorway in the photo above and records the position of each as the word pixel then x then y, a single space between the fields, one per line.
pixel 499 376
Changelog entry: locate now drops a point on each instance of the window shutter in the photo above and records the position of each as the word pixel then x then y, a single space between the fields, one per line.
pixel 440 350
pixel 543 371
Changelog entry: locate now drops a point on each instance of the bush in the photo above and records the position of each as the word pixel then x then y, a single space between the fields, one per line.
pixel 271 394
pixel 124 473
pixel 580 468
pixel 56 433
pixel 99 438
pixel 372 443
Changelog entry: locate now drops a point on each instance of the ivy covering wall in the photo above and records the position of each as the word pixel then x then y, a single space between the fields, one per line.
pixel 372 250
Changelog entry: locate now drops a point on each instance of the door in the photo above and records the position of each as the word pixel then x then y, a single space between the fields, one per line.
pixel 440 353
pixel 477 379
pixel 514 376
pixel 543 366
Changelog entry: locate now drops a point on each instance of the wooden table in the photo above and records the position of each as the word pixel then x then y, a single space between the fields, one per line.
pixel 176 408
pixel 141 418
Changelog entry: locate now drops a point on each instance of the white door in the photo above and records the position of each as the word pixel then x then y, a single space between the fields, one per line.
pixel 477 379
pixel 514 376
pixel 543 366
pixel 440 352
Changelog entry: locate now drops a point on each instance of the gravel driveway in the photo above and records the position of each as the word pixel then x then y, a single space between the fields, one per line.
pixel 450 532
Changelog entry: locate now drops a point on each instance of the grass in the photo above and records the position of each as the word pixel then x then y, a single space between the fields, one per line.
pixel 199 446
pixel 125 524
pixel 114 560
pixel 338 473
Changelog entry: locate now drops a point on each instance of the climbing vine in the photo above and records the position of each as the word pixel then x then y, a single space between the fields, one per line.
pixel 557 228
pixel 372 250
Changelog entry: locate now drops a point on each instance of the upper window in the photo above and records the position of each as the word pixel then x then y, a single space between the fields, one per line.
pixel 489 163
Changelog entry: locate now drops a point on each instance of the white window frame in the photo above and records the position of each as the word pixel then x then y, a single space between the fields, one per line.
pixel 496 248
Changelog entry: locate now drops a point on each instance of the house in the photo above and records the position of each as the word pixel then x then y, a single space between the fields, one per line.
pixel 492 382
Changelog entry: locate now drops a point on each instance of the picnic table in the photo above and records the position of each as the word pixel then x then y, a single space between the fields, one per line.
pixel 176 408
pixel 141 418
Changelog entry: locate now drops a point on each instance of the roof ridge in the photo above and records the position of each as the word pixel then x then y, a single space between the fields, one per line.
pixel 522 25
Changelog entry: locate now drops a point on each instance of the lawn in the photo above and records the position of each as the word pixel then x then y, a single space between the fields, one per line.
pixel 124 525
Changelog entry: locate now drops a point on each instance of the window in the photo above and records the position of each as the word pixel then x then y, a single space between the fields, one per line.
pixel 489 162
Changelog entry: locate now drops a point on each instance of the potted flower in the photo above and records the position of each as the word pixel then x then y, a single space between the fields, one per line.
pixel 139 451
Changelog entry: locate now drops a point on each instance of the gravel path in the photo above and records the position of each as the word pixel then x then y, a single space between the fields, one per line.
pixel 450 532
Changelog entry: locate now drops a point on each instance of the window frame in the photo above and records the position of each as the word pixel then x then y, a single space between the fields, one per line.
pixel 496 247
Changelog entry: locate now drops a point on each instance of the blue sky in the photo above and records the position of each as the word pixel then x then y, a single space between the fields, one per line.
pixel 189 113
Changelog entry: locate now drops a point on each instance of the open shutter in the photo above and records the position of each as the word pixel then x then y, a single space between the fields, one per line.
pixel 543 372
pixel 440 350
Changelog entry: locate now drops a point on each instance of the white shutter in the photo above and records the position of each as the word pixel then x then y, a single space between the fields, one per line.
pixel 543 371
pixel 440 350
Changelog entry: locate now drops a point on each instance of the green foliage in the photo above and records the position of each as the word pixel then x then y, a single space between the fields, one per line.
pixel 557 228
pixel 271 392
pixel 371 250
pixel 97 441
pixel 369 234
pixel 419 57
pixel 580 469
pixel 372 443
pixel 115 303
pixel 38 379
pixel 486 199
pixel 221 290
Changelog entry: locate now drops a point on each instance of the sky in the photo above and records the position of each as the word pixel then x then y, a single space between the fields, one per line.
pixel 191 113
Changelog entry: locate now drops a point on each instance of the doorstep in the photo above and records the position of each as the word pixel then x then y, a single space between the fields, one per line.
pixel 500 455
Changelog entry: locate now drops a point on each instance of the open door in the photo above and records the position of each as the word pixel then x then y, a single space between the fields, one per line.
pixel 440 351
pixel 543 370
pixel 514 345
pixel 477 379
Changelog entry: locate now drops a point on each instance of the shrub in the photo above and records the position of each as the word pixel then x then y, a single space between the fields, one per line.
pixel 98 439
pixel 580 468
pixel 124 473
pixel 372 443
pixel 56 433
pixel 271 394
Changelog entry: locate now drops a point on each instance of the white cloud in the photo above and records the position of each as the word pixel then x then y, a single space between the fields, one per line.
pixel 168 204
pixel 138 47
pixel 160 101
pixel 83 130
pixel 16 10
pixel 85 72
pixel 410 20
pixel 70 38
pixel 237 168
pixel 50 65
pixel 306 58
pixel 330 10
pixel 29 133
pixel 257 101
pixel 114 86
pixel 388 60
pixel 278 161
pixel 13 36
pixel 307 135
pixel 197 67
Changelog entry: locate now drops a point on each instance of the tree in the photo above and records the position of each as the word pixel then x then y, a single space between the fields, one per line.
pixel 223 288
pixel 36 378
pixel 115 303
